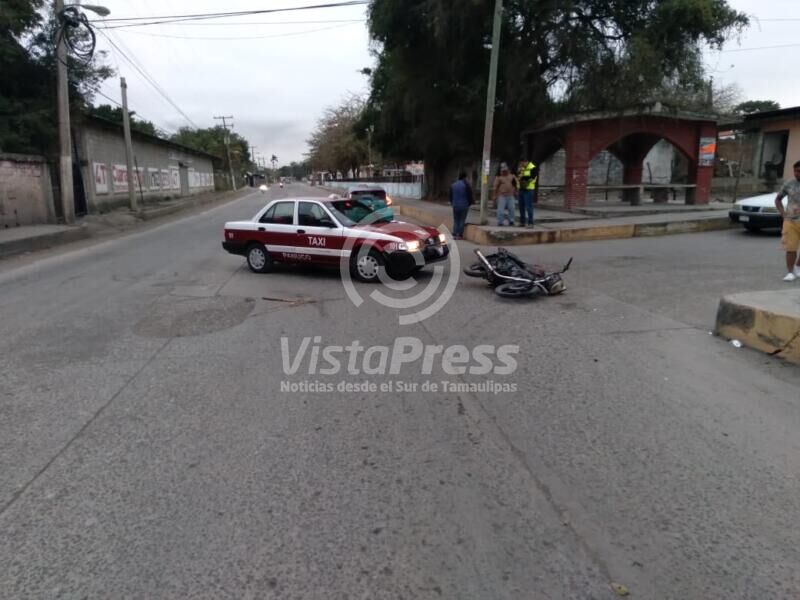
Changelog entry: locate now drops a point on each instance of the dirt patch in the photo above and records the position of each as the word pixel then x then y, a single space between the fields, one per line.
pixel 187 317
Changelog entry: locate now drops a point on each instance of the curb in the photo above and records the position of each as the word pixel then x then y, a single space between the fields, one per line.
pixel 147 215
pixel 42 242
pixel 765 321
pixel 484 236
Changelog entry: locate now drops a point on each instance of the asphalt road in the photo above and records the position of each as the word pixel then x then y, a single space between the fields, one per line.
pixel 147 448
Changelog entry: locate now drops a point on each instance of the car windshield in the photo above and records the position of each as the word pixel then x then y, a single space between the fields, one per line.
pixel 351 212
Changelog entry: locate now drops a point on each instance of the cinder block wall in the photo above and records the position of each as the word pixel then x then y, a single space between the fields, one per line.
pixel 26 195
pixel 102 154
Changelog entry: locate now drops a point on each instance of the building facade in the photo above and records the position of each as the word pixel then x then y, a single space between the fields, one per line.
pixel 162 168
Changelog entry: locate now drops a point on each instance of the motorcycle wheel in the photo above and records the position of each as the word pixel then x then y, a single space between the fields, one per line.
pixel 475 270
pixel 514 290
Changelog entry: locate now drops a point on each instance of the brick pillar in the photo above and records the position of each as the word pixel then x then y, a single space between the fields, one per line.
pixel 701 175
pixel 576 170
pixel 632 175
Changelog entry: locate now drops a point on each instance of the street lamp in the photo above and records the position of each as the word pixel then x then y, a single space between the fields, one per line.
pixel 101 11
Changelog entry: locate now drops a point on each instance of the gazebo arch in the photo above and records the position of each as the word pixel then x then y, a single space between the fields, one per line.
pixel 629 135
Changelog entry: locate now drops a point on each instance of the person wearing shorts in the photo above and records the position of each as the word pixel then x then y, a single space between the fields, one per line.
pixel 790 237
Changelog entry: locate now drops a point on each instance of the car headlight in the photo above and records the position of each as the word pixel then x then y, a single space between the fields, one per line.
pixel 442 238
pixel 770 210
pixel 412 246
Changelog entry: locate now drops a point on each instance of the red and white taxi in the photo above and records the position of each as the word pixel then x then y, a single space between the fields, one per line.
pixel 324 231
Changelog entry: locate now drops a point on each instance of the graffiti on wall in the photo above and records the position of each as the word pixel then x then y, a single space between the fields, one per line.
pixel 100 171
pixel 119 176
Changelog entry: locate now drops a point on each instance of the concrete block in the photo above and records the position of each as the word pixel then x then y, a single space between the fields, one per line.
pixel 765 321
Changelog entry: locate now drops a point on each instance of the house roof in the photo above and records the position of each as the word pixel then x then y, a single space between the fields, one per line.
pixel 136 134
pixel 651 110
pixel 773 114
pixel 753 120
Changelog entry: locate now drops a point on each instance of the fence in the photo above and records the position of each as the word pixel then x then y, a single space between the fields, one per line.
pixel 412 189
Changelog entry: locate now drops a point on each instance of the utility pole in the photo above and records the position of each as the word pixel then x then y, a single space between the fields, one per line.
pixel 490 99
pixel 227 141
pixel 370 130
pixel 126 128
pixel 64 138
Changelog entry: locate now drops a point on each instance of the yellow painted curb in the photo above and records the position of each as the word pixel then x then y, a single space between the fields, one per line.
pixel 765 321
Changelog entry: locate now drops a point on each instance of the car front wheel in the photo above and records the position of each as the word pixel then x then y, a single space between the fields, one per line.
pixel 366 266
pixel 258 259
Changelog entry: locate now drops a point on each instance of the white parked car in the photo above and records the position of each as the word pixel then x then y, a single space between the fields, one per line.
pixel 757 212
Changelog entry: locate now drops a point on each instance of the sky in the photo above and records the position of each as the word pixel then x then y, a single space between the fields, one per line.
pixel 276 73
pixel 275 86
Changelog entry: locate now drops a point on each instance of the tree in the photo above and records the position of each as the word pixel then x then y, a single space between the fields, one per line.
pixel 754 106
pixel 114 113
pixel 428 88
pixel 336 144
pixel 28 82
pixel 212 141
pixel 295 170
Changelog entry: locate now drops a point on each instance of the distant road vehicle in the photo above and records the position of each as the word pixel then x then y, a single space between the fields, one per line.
pixel 757 212
pixel 373 196
pixel 324 231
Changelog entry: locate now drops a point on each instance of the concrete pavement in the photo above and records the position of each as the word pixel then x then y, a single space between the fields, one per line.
pixel 146 447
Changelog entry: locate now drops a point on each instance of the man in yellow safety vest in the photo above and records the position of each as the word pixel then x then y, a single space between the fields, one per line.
pixel 527 174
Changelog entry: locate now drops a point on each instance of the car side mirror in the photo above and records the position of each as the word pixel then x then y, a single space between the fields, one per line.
pixel 327 223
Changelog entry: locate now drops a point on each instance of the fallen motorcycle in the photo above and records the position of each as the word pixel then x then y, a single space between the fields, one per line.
pixel 503 261
pixel 512 278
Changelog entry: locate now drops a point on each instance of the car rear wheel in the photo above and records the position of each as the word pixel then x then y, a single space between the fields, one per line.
pixel 258 259
pixel 366 266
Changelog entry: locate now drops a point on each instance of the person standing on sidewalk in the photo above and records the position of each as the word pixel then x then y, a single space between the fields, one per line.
pixel 503 193
pixel 460 199
pixel 527 174
pixel 790 237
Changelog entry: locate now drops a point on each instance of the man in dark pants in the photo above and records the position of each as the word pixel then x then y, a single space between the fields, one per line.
pixel 460 199
pixel 527 175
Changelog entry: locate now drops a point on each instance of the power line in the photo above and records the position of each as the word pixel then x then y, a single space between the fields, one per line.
pixel 256 37
pixel 144 117
pixel 150 80
pixel 227 24
pixel 141 21
pixel 761 48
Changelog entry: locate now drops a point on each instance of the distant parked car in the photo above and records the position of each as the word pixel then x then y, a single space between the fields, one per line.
pixel 757 212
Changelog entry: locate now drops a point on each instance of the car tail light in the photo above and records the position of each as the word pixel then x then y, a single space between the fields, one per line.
pixel 389 200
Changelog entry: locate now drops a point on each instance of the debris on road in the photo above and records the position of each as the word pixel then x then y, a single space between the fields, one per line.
pixel 619 589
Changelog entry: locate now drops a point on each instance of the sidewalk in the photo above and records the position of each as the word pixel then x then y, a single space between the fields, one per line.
pixel 554 226
pixel 31 238
pixel 28 238
pixel 765 321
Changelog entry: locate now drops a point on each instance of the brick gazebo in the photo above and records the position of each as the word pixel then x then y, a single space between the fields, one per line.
pixel 628 135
